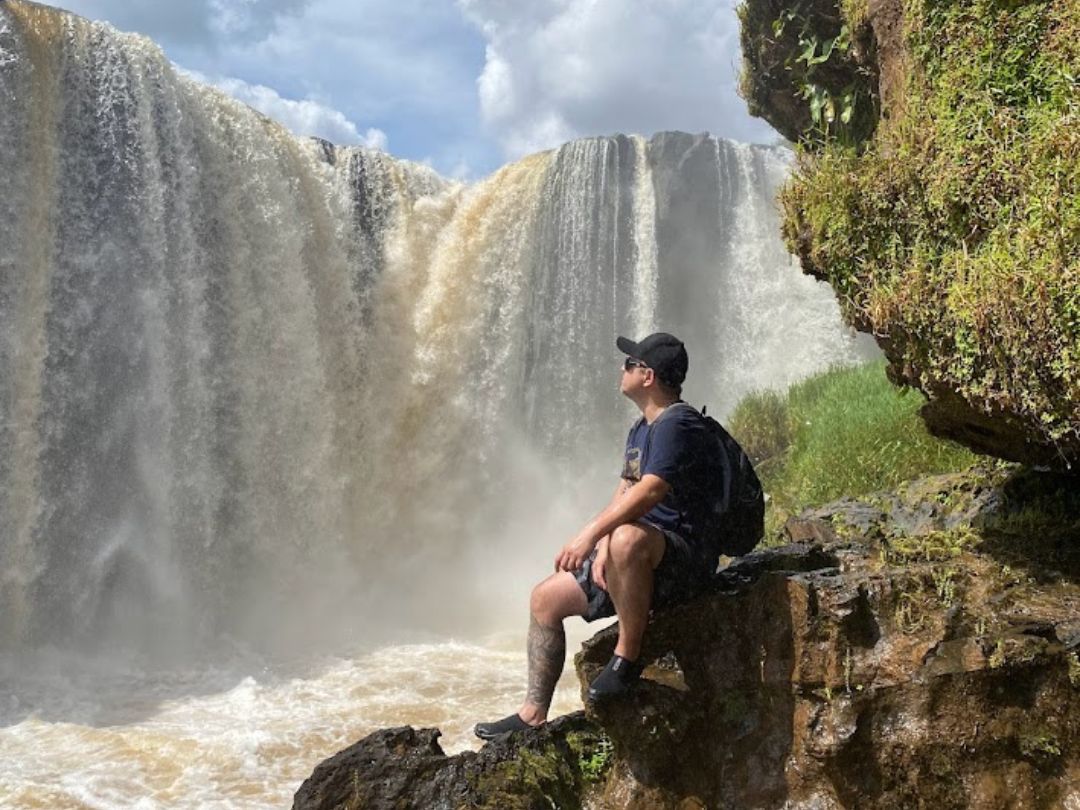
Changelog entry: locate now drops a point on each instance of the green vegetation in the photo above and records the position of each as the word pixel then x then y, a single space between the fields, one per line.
pixel 762 423
pixel 846 432
pixel 594 755
pixel 937 546
pixel 556 771
pixel 1040 745
pixel 817 55
pixel 954 232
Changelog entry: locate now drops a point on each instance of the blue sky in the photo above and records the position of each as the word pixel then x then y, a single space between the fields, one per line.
pixel 465 85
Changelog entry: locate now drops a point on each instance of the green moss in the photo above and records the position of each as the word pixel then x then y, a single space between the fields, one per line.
pixel 955 232
pixel 1074 669
pixel 931 547
pixel 594 755
pixel 909 613
pixel 558 773
pixel 854 11
pixel 923 589
pixel 1040 745
pixel 809 54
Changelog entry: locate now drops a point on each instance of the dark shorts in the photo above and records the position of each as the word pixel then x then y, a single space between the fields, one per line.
pixel 680 576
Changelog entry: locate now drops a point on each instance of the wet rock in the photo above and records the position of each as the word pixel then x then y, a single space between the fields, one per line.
pixel 406 768
pixel 890 660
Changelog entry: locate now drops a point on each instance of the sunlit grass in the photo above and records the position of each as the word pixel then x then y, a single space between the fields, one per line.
pixel 845 432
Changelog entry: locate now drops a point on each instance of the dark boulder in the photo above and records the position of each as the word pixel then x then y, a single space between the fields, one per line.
pixel 406 768
pixel 909 653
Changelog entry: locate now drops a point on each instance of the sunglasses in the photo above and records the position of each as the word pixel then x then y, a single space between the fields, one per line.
pixel 629 364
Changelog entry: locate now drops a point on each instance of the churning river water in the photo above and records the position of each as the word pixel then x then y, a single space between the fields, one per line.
pixel 80 735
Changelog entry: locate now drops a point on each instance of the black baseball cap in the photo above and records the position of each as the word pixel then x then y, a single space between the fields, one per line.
pixel 663 353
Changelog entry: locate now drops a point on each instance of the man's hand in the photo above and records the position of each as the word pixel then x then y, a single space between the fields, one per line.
pixel 627 505
pixel 573 555
pixel 599 566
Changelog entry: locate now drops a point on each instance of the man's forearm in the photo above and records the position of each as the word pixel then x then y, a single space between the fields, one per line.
pixel 633 503
pixel 620 490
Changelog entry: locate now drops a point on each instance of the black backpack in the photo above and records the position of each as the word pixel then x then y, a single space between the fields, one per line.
pixel 738 506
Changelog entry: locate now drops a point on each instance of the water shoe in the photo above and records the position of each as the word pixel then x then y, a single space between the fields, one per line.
pixel 618 678
pixel 508 725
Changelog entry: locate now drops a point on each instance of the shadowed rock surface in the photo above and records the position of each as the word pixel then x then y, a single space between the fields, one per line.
pixel 891 659
pixel 908 649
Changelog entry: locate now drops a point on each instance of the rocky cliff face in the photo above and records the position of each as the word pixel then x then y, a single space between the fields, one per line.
pixel 905 650
pixel 937 193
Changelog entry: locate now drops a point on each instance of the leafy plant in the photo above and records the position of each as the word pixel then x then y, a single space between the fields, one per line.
pixel 815 59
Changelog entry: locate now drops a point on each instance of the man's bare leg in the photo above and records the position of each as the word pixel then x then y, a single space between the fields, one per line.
pixel 546 648
pixel 553 600
pixel 636 550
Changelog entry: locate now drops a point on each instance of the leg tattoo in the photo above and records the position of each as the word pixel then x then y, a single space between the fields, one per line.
pixel 547 652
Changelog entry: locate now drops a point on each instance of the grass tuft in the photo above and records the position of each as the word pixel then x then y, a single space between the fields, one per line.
pixel 845 432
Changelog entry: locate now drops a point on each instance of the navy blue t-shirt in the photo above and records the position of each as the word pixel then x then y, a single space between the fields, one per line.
pixel 679 449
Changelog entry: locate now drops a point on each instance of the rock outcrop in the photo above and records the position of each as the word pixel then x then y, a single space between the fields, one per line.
pixel 914 649
pixel 936 193
pixel 554 765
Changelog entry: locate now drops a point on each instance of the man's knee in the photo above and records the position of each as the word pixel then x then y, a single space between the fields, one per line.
pixel 556 598
pixel 633 543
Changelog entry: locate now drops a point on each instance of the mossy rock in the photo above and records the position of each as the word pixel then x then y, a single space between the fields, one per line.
pixel 807 69
pixel 952 232
pixel 557 764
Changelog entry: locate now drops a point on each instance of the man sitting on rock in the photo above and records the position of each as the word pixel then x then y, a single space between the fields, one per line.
pixel 642 550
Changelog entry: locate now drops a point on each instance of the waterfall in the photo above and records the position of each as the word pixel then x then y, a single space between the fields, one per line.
pixel 248 378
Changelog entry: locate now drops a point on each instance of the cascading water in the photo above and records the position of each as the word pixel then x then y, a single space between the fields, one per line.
pixel 233 358
pixel 261 388
pixel 184 290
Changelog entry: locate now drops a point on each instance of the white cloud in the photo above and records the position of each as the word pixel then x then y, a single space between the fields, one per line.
pixel 304 117
pixel 560 69
pixel 467 83
pixel 206 23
